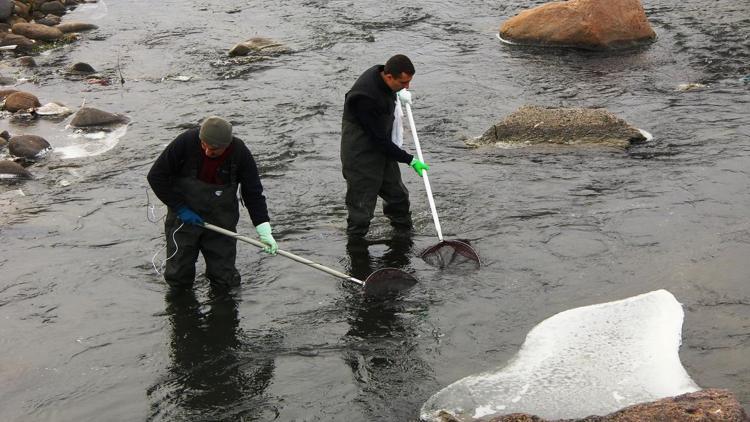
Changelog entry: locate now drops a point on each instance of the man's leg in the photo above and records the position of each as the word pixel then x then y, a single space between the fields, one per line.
pixel 361 196
pixel 395 197
pixel 182 252
pixel 220 253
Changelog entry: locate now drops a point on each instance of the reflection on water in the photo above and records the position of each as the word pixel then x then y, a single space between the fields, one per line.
pixel 211 376
pixel 381 347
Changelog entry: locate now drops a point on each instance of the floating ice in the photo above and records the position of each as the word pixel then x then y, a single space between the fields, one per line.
pixel 83 143
pixel 585 361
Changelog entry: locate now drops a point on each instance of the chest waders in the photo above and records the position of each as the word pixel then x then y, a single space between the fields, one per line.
pixel 217 204
pixel 369 174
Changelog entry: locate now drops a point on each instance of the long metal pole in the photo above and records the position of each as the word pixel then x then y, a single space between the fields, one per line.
pixel 285 254
pixel 424 173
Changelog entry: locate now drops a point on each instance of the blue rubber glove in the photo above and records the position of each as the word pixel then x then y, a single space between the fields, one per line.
pixel 189 216
pixel 264 232
pixel 418 166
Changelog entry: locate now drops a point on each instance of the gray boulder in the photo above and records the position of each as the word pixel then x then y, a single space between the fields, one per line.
pixel 93 117
pixel 259 45
pixel 6 9
pixel 532 125
pixel 74 26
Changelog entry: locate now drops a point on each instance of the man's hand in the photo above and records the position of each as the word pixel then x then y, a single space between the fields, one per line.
pixel 189 216
pixel 418 166
pixel 264 232
pixel 405 96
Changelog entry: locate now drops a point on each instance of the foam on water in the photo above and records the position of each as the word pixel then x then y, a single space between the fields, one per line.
pixel 87 144
pixel 585 361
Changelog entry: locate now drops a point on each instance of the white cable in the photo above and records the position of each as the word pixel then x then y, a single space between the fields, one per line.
pixel 160 270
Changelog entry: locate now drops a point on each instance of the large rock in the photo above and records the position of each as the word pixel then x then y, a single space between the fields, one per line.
pixel 588 24
pixel 12 170
pixel 37 31
pixel 21 100
pixel 701 406
pixel 27 146
pixel 258 45
pixel 531 125
pixel 93 117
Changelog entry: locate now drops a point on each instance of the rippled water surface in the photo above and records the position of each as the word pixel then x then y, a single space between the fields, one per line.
pixel 87 333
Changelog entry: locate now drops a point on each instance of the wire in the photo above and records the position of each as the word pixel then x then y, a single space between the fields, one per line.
pixel 151 217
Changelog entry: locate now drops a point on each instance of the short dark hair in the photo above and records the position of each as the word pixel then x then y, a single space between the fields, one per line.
pixel 397 65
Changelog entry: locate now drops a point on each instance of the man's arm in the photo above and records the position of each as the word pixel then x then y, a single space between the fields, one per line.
pixel 250 186
pixel 162 175
pixel 375 125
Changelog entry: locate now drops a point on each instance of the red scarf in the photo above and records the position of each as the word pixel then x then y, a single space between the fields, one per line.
pixel 210 167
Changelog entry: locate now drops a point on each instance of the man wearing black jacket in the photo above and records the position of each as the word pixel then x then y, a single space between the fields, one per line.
pixel 197 176
pixel 370 147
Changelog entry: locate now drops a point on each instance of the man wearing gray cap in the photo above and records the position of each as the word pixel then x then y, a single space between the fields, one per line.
pixel 197 176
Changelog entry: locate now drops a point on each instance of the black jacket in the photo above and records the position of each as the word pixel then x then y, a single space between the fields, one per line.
pixel 370 103
pixel 169 166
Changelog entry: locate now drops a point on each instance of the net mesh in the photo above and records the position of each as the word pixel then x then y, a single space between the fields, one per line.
pixel 451 253
pixel 387 281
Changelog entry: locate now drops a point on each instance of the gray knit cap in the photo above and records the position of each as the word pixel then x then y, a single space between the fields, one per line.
pixel 216 132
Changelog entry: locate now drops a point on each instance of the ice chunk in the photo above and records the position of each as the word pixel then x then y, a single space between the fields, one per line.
pixel 585 361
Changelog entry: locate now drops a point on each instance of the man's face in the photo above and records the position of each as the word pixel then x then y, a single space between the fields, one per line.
pixel 397 83
pixel 212 152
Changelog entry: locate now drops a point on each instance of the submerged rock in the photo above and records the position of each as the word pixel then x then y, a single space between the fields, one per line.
pixel 73 26
pixel 93 117
pixel 29 147
pixel 701 406
pixel 531 125
pixel 587 24
pixel 258 45
pixel 12 170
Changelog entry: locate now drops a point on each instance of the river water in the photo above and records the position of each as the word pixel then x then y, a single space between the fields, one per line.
pixel 87 333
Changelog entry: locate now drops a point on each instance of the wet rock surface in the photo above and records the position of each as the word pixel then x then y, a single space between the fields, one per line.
pixel 711 405
pixel 530 125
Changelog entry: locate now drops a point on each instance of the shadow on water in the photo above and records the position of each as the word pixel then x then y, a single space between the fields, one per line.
pixel 381 342
pixel 213 374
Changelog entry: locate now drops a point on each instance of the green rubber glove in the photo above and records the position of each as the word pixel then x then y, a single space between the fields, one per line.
pixel 264 232
pixel 418 166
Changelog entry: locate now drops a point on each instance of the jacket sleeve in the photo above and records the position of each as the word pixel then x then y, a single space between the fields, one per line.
pixel 251 188
pixel 375 125
pixel 165 170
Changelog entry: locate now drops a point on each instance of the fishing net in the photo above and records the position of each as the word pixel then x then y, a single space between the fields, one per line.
pixel 387 281
pixel 451 253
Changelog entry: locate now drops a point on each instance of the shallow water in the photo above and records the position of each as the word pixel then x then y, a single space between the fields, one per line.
pixel 87 333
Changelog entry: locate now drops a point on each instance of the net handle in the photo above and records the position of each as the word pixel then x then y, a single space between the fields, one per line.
pixel 284 254
pixel 424 173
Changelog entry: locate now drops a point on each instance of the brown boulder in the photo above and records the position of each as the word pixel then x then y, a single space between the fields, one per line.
pixel 532 125
pixel 588 24
pixel 27 146
pixel 66 27
pixel 712 405
pixel 5 92
pixel 21 101
pixel 37 31
pixel 12 170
